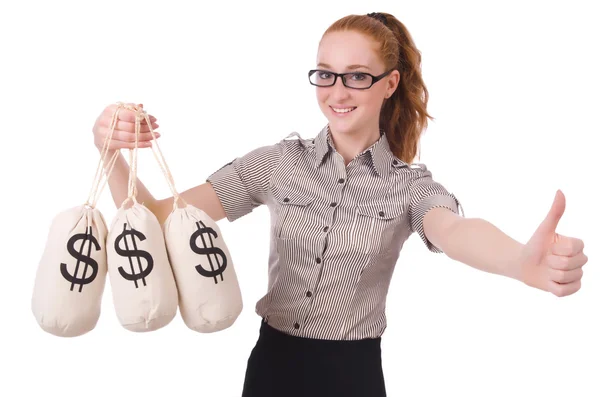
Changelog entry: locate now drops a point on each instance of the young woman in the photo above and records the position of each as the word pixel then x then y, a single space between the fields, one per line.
pixel 342 205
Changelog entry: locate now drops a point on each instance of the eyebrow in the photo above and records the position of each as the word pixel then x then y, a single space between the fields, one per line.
pixel 349 67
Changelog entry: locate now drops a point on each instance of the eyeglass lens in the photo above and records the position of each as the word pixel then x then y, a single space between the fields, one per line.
pixel 355 80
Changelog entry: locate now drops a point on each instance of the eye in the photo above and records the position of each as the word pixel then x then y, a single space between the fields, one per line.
pixel 323 75
pixel 358 76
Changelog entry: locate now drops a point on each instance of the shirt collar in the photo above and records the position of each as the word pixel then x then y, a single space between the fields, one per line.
pixel 381 158
pixel 322 145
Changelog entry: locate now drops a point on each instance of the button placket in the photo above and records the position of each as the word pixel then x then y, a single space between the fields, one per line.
pixel 341 181
pixel 307 304
pixel 327 227
pixel 334 204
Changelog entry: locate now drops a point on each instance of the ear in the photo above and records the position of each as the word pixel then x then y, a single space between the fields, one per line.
pixel 393 81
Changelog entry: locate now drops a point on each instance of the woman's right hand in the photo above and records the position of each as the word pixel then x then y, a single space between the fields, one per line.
pixel 123 136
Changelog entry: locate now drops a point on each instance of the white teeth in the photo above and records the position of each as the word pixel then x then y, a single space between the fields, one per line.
pixel 343 110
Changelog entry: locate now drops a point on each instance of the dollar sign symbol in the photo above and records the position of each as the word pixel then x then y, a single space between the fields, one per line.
pixel 205 250
pixel 133 253
pixel 87 259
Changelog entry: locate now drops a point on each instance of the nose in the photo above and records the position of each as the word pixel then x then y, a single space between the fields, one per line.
pixel 339 90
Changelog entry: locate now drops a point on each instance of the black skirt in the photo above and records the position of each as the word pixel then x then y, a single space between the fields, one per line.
pixel 284 365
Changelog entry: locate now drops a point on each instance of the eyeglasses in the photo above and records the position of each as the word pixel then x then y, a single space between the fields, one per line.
pixel 355 80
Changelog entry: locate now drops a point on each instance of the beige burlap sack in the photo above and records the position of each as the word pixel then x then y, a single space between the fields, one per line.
pixel 210 299
pixel 142 282
pixel 71 274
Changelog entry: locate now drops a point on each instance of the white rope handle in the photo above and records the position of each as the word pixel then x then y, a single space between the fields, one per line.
pixel 160 159
pixel 100 170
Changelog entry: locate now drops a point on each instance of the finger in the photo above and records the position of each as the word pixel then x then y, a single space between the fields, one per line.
pixel 113 145
pixel 126 136
pixel 564 289
pixel 124 114
pixel 578 260
pixel 565 276
pixel 567 246
pixel 566 262
pixel 127 126
pixel 128 145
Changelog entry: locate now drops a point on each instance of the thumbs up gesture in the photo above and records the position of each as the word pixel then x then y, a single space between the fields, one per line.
pixel 550 261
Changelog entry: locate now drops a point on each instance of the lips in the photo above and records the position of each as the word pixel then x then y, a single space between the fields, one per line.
pixel 341 110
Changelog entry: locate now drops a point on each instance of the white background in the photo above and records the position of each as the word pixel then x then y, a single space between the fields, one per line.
pixel 514 90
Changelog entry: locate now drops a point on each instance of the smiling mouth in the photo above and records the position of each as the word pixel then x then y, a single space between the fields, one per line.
pixel 343 110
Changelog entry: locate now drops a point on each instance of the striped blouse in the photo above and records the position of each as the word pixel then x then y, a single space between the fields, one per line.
pixel 336 230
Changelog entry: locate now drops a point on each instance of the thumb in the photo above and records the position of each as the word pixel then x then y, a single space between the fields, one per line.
pixel 548 226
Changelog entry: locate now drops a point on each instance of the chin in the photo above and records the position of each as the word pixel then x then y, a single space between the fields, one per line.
pixel 342 126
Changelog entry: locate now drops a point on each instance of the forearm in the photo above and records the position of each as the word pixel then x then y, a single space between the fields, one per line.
pixel 481 245
pixel 119 182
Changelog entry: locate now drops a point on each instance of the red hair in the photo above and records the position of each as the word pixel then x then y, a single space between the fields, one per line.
pixel 404 115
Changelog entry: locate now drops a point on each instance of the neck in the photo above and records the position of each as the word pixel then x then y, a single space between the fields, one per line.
pixel 350 144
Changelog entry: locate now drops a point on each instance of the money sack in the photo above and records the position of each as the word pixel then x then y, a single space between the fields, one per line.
pixel 142 282
pixel 210 298
pixel 71 275
pixel 70 279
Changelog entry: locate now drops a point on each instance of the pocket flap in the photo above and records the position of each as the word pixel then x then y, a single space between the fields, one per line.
pixel 294 198
pixel 380 209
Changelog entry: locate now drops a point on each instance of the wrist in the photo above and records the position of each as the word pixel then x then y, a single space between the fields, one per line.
pixel 530 275
pixel 109 152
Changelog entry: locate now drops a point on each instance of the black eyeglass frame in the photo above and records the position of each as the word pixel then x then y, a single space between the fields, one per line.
pixel 374 79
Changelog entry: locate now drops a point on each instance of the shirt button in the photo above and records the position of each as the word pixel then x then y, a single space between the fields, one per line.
pixel 381 213
pixel 318 260
pixel 308 293
pixel 326 228
pixel 296 325
pixel 333 204
pixel 341 180
pixel 395 162
pixel 285 200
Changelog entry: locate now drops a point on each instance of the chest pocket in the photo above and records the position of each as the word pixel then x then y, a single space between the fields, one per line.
pixel 374 225
pixel 293 213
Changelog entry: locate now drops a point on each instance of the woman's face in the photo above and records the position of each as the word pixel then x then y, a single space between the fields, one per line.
pixel 343 52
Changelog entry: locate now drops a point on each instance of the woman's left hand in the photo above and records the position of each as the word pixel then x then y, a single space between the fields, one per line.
pixel 552 262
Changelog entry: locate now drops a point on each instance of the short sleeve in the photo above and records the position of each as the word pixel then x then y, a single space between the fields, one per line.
pixel 426 194
pixel 243 183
